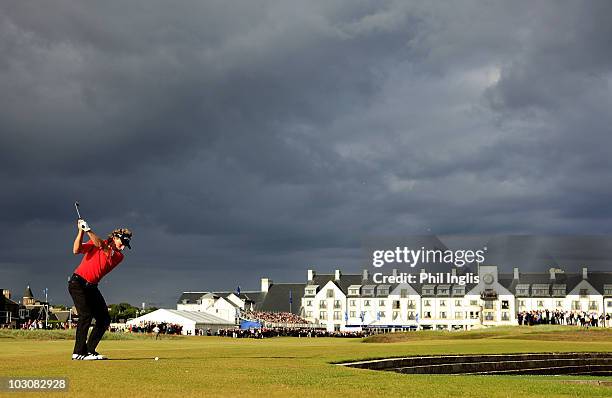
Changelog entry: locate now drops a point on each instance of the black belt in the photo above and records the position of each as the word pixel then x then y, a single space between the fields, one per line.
pixel 78 278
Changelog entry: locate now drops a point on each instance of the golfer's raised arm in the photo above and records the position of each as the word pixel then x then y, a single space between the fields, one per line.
pixel 78 242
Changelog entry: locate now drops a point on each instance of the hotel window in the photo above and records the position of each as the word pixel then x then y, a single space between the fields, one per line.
pixel 337 304
pixel 428 291
pixel 381 303
pixel 607 290
pixel 609 304
pixel 368 291
pixel 522 290
pixel 540 303
pixel 488 305
pixel 311 292
pixel 308 314
pixel 427 314
pixel 489 316
pixel 353 314
pixel 559 303
pixel 308 303
pixel 396 304
pixel 366 303
pixel 584 292
pixel 576 305
pixel 443 291
pixel 559 290
pixel 411 315
pixel 521 303
pixel 337 316
pixel 381 314
pixel 442 303
pixel 426 303
pixel 330 293
pixel 473 302
pixel 404 293
pixel 457 303
pixel 354 292
pixel 322 315
pixel 442 315
pixel 505 305
pixel 540 292
pixel 474 314
pixel 353 303
pixel 458 315
pixel 411 304
pixel 396 315
pixel 505 316
pixel 593 305
pixel 458 291
pixel 322 304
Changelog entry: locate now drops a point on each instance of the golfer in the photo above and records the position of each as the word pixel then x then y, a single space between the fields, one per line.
pixel 100 257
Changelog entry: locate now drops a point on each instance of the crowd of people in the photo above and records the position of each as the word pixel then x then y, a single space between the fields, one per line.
pixel 575 318
pixel 39 324
pixel 273 317
pixel 287 332
pixel 153 327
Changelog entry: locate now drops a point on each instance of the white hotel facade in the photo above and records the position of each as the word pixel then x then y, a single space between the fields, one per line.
pixel 355 302
pixel 349 302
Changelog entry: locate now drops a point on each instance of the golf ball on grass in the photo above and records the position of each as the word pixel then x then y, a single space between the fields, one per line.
pixel 157 358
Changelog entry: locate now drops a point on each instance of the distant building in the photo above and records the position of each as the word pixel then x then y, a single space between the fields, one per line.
pixel 9 310
pixel 354 301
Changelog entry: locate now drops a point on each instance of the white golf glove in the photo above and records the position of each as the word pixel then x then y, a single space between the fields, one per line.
pixel 83 226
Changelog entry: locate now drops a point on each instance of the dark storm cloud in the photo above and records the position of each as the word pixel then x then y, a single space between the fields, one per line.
pixel 268 137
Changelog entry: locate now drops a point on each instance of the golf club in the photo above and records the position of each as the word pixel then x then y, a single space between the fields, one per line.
pixel 76 206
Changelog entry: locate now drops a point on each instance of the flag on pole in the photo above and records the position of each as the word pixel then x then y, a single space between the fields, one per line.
pixel 345 316
pixel 238 290
pixel 290 297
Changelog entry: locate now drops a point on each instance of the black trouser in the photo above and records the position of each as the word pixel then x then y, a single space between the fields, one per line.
pixel 90 305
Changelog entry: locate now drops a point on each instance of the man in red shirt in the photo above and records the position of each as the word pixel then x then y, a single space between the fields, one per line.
pixel 100 257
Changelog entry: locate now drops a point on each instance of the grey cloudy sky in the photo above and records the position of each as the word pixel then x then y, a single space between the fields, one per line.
pixel 262 138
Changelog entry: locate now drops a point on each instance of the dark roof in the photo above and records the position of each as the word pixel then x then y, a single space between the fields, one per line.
pixel 343 283
pixel 277 298
pixel 28 292
pixel 599 279
pixel 571 280
pixel 191 297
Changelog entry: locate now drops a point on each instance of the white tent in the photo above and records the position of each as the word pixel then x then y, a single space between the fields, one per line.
pixel 189 320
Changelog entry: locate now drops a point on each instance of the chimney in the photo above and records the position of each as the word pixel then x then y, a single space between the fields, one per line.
pixel 516 272
pixel 311 275
pixel 585 273
pixel 6 293
pixel 365 275
pixel 337 275
pixel 265 284
pixel 422 270
pixel 394 271
pixel 552 273
pixel 454 271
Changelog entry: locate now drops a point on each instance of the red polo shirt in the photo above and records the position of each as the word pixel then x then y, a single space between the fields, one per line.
pixel 95 263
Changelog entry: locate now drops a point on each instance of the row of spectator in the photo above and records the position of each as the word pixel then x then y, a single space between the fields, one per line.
pixel 557 317
pixel 273 317
pixel 287 332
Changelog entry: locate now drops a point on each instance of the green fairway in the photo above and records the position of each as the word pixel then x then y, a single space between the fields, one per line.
pixel 215 366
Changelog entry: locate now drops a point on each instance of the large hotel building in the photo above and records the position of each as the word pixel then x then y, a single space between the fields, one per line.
pixel 342 302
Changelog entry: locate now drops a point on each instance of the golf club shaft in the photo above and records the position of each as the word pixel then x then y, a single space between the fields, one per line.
pixel 76 206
